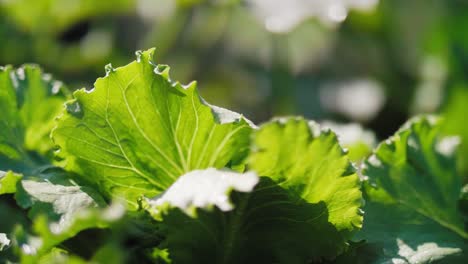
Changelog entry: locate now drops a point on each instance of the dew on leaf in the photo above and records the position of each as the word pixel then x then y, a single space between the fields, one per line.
pixel 56 87
pixel 109 69
pixel 138 54
pixel 75 109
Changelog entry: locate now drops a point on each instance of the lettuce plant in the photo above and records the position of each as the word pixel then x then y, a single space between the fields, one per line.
pixel 142 169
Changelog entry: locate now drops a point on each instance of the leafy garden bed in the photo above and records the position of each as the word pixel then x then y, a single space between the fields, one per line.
pixel 141 169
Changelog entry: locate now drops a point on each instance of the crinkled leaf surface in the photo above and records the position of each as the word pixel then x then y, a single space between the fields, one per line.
pixel 209 235
pixel 282 220
pixel 412 192
pixel 309 162
pixel 136 131
pixel 29 102
pixel 59 208
pixel 52 234
pixel 59 201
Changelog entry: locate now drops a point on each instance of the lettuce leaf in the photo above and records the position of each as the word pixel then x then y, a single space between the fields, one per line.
pixel 412 191
pixel 136 132
pixel 8 181
pixel 310 166
pixel 283 219
pixel 29 102
pixel 59 208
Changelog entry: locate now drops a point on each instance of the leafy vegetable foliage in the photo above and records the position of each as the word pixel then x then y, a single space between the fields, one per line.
pixel 412 194
pixel 59 207
pixel 310 163
pixel 304 207
pixel 205 185
pixel 136 131
pixel 29 102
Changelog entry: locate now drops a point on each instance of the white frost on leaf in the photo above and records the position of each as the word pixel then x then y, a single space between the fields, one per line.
pixel 205 188
pixel 67 201
pixel 4 241
pixel 225 116
pixel 424 253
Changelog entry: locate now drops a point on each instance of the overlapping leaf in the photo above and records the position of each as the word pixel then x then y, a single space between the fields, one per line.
pixel 138 134
pixel 202 189
pixel 136 131
pixel 57 206
pixel 413 189
pixel 48 235
pixel 213 230
pixel 311 168
pixel 284 219
pixel 29 102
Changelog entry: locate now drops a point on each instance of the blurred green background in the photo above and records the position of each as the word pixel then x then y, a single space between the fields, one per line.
pixel 367 61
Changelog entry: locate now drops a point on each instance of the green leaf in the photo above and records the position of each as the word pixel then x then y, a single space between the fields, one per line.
pixel 8 181
pixel 59 256
pixel 29 101
pixel 48 235
pixel 160 256
pixel 464 202
pixel 309 162
pixel 198 206
pixel 401 234
pixel 110 253
pixel 58 201
pixel 11 215
pixel 412 191
pixel 284 219
pixel 52 235
pixel 59 209
pixel 453 123
pixel 136 132
pixel 53 15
